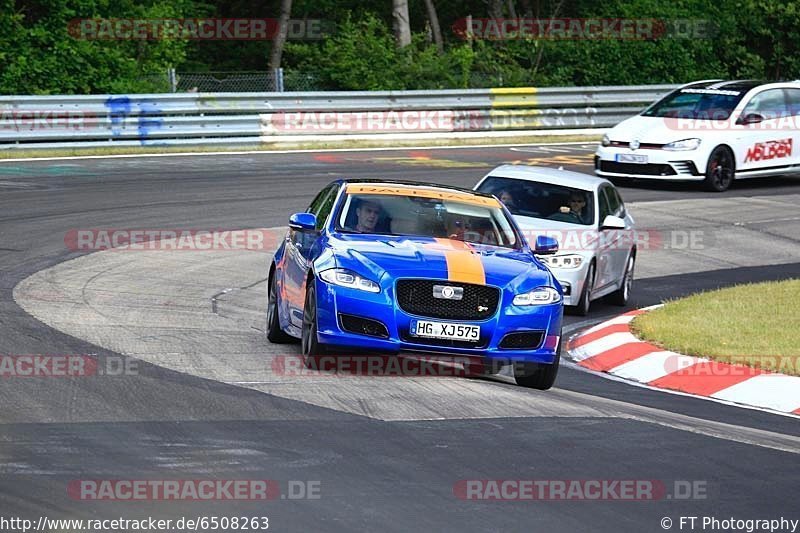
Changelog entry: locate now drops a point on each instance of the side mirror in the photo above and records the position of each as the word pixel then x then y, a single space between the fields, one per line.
pixel 751 118
pixel 303 222
pixel 612 222
pixel 545 245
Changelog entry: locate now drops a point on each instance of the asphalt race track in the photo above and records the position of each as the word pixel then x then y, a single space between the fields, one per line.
pixel 389 454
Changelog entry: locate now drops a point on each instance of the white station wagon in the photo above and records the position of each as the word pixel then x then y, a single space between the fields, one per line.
pixel 710 131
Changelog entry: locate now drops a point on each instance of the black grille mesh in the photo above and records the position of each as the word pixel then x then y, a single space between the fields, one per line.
pixel 650 169
pixel 363 326
pixel 522 340
pixel 415 296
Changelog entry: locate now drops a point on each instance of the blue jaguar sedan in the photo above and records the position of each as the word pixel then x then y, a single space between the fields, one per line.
pixel 390 267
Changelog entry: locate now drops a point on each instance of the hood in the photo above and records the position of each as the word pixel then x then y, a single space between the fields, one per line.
pixel 572 238
pixel 388 257
pixel 533 226
pixel 659 130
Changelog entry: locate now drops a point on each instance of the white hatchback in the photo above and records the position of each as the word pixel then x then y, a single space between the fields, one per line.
pixel 595 233
pixel 710 131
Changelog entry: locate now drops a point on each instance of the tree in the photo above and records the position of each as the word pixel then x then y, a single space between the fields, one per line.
pixel 401 23
pixel 433 19
pixel 280 37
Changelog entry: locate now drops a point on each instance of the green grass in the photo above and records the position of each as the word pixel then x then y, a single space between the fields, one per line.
pixel 316 144
pixel 755 324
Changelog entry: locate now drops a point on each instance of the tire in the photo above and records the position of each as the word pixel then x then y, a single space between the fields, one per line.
pixel 582 309
pixel 537 376
pixel 275 334
pixel 622 295
pixel 720 170
pixel 309 343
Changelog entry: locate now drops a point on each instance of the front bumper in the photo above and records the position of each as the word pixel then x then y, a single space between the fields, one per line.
pixel 332 301
pixel 661 164
pixel 572 281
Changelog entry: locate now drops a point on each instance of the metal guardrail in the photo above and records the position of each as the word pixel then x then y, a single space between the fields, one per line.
pixel 253 118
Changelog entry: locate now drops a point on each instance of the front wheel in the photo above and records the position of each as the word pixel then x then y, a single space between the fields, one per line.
pixel 536 375
pixel 274 332
pixel 309 342
pixel 720 169
pixel 622 295
pixel 582 308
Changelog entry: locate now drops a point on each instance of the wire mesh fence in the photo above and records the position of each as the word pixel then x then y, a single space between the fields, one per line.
pixel 282 80
pixel 231 82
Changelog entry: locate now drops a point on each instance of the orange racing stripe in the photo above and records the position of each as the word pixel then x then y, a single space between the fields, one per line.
pixel 422 192
pixel 463 264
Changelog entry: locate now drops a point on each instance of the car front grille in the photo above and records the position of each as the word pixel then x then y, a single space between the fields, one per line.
pixel 415 296
pixel 642 146
pixel 649 169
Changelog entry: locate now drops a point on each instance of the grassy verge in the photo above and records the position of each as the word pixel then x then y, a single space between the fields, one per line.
pixel 316 144
pixel 755 324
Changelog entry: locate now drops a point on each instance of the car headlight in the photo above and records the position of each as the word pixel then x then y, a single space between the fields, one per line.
pixel 606 141
pixel 685 144
pixel 562 261
pixel 348 278
pixel 538 296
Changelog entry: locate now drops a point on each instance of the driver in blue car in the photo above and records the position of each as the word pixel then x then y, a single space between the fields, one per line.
pixel 367 213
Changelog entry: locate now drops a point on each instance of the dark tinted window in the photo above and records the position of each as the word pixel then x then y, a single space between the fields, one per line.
pixel 325 206
pixel 542 200
pixel 468 219
pixel 704 104
pixel 615 206
pixel 605 210
pixel 317 202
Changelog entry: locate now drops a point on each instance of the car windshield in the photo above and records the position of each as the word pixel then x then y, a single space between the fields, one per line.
pixel 542 200
pixel 703 104
pixel 426 213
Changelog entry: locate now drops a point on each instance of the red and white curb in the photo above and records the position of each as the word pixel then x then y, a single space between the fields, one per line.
pixel 612 348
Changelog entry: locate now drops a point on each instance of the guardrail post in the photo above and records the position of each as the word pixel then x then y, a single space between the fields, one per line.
pixel 173 80
pixel 277 77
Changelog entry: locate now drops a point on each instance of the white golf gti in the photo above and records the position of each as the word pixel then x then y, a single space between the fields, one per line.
pixel 710 131
pixel 595 233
